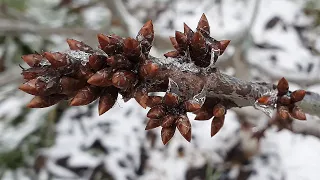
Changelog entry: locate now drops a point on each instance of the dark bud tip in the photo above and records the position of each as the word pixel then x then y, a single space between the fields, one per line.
pixel 153 123
pixel 156 112
pixel 283 86
pixel 167 133
pixel 216 125
pixel 32 59
pixel 203 25
pixel 107 100
pixel 223 44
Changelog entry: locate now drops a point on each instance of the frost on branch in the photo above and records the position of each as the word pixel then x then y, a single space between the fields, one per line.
pixel 124 66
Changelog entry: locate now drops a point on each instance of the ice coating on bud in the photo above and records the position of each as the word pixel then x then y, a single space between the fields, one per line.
pixel 270 106
pixel 81 56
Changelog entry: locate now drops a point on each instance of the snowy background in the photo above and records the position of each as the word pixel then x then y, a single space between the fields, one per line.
pixel 269 39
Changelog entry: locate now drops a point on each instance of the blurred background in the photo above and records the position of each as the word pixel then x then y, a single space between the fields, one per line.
pixel 269 39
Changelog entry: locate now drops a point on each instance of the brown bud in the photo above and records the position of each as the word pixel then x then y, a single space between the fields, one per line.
pixel 101 78
pixel 216 125
pixel 69 85
pixel 124 79
pixel 191 106
pixel 203 25
pixel 297 95
pixel 45 101
pixel 154 100
pixel 198 50
pixel 283 112
pixel 168 120
pixel 283 86
pixel 34 72
pixel 156 112
pixel 172 54
pixel 171 99
pixel 85 96
pixel 184 126
pixel 264 100
pixel 149 70
pixel 119 61
pixel 29 87
pixel 104 41
pixel 142 98
pixel 198 42
pixel 56 59
pixel 187 31
pixel 153 123
pixel 203 114
pixel 145 36
pixel 167 133
pixel 181 40
pixel 174 43
pixel 107 99
pixel 32 59
pixel 131 47
pixel 219 110
pixel 223 44
pixel 297 113
pixel 97 62
pixel 84 72
pixel 79 45
pixel 285 100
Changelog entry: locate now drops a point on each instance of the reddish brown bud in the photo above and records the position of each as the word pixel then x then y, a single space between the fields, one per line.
pixel 168 120
pixel 203 114
pixel 69 85
pixel 56 59
pixel 219 110
pixel 45 101
pixel 297 113
pixel 223 44
pixel 107 100
pixel 264 100
pixel 101 78
pixel 167 133
pixel 104 41
pixel 131 47
pixel 84 96
pixel 181 40
pixel 191 106
pixel 285 100
pixel 174 43
pixel 97 62
pixel 84 72
pixel 153 123
pixel 123 79
pixel 184 126
pixel 32 59
pixel 78 45
pixel 156 112
pixel 198 50
pixel 203 25
pixel 172 54
pixel 29 87
pixel 149 70
pixel 283 86
pixel 216 125
pixel 283 112
pixel 297 95
pixel 142 98
pixel 119 61
pixel 34 72
pixel 154 100
pixel 145 36
pixel 187 31
pixel 171 99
